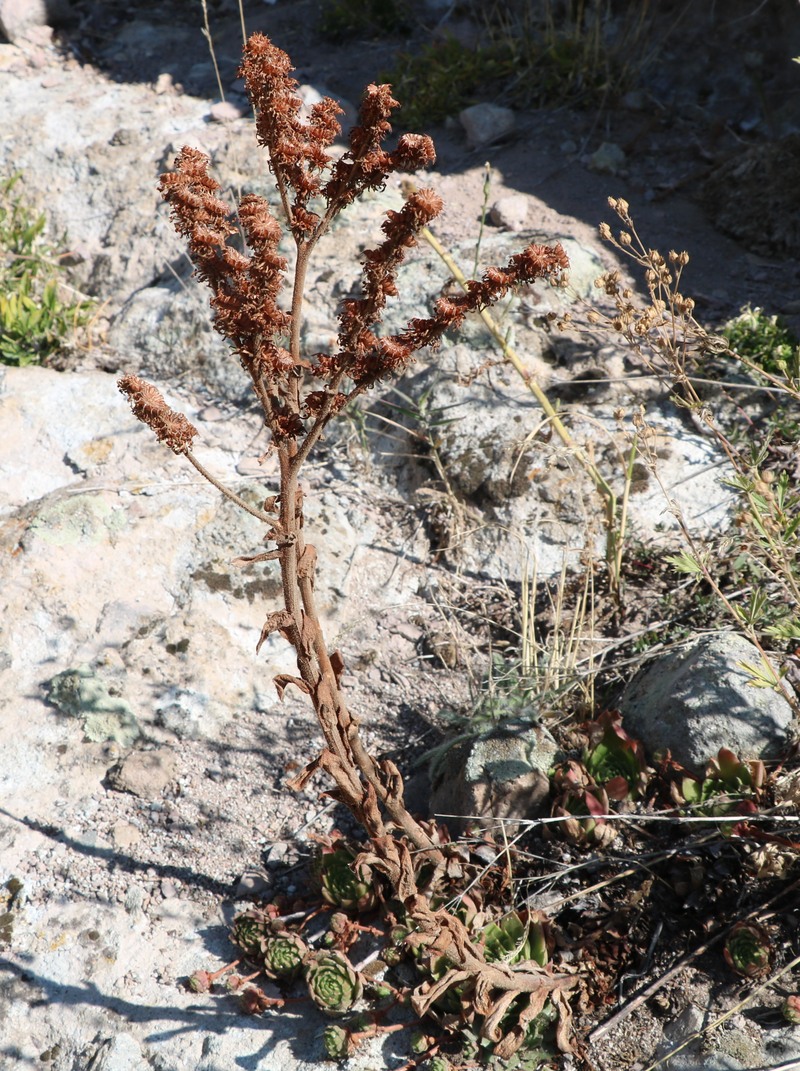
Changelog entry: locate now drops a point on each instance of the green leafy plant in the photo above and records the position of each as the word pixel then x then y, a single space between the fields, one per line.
pixel 614 759
pixel 730 786
pixel 766 340
pixel 283 953
pixel 340 883
pixel 440 78
pixel 35 316
pixel 517 937
pixel 583 806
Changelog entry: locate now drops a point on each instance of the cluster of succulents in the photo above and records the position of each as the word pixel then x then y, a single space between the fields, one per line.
pixel 612 767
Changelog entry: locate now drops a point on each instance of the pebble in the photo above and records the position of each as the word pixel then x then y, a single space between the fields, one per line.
pixel 19 17
pixel 510 212
pixel 225 112
pixel 484 124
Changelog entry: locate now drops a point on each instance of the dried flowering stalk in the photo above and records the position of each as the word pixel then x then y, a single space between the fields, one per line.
pixel 299 393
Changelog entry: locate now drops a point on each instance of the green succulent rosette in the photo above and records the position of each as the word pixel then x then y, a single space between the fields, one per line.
pixel 337 1042
pixel 283 954
pixel 748 949
pixel 249 930
pixel 333 983
pixel 340 886
pixel 514 940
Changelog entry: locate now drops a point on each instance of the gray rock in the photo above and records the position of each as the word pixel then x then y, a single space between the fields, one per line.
pixel 144 773
pixel 188 714
pixel 697 699
pixel 499 774
pixel 742 1047
pixel 484 124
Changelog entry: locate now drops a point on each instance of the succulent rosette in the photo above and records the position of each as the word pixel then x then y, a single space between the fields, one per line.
pixel 340 885
pixel 337 1042
pixel 583 805
pixel 249 930
pixel 516 938
pixel 748 949
pixel 283 954
pixel 333 983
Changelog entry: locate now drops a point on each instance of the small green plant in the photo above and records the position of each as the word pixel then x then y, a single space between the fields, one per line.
pixel 439 79
pixel 766 340
pixel 748 950
pixel 614 759
pixel 342 20
pixel 35 316
pixel 729 786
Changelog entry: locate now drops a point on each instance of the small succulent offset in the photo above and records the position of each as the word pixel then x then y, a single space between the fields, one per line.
pixel 730 786
pixel 516 937
pixel 337 1041
pixel 748 949
pixel 333 983
pixel 340 884
pixel 250 928
pixel 583 805
pixel 614 759
pixel 283 954
pixel 790 1009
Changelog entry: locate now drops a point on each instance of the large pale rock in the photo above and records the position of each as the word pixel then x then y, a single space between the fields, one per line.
pixel 502 774
pixel 697 699
pixel 116 571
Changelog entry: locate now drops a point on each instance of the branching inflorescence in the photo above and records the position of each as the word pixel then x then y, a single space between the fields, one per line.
pixel 299 394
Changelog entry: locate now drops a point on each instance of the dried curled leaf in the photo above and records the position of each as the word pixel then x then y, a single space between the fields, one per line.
pixel 280 621
pixel 283 680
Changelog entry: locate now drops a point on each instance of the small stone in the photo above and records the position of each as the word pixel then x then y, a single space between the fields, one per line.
pixel 125 835
pixel 484 124
pixel 608 159
pixel 510 212
pixel 252 883
pixel 144 773
pixel 19 17
pixel 164 83
pixel 225 112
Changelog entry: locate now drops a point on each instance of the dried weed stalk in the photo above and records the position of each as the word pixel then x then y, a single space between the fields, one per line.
pixel 299 394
